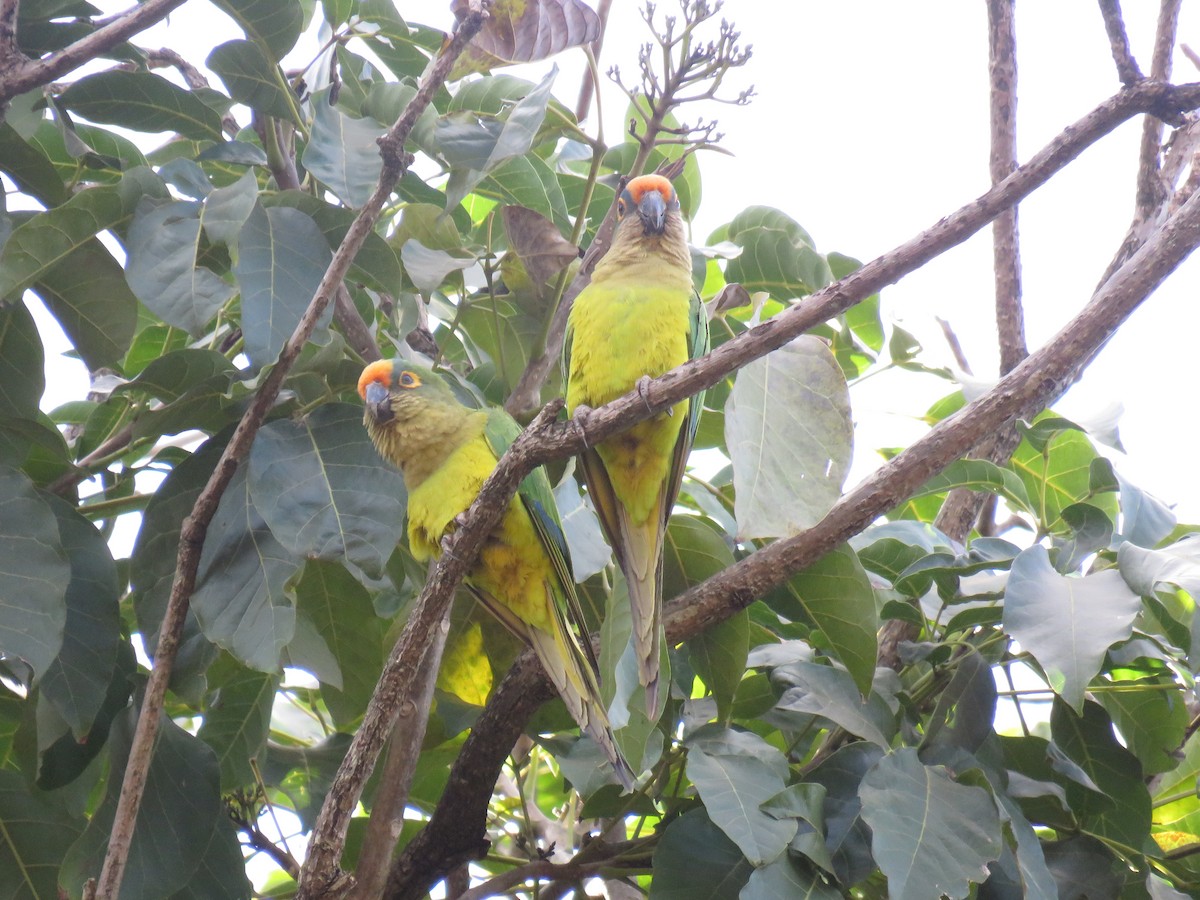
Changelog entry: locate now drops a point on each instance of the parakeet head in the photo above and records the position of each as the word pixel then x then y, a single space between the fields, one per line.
pixel 396 390
pixel 647 200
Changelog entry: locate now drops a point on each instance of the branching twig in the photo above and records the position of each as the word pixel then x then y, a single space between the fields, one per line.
pixel 196 524
pixel 455 832
pixel 1150 188
pixel 1114 24
pixel 23 74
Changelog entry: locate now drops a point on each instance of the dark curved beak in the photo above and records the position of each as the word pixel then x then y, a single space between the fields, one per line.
pixel 652 210
pixel 379 403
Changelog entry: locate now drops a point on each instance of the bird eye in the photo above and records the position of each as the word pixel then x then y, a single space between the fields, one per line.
pixel 620 208
pixel 409 380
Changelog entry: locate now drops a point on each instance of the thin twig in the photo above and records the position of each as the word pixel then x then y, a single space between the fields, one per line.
pixel 196 524
pixel 1118 40
pixel 455 831
pixel 955 345
pixel 27 74
pixel 588 85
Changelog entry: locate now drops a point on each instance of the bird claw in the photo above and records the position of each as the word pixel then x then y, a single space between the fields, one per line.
pixel 643 389
pixel 580 416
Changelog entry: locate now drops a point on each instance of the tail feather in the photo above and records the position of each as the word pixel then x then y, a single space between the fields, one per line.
pixel 563 659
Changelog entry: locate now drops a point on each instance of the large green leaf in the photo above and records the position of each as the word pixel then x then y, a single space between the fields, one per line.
pixel 22 362
pixel 282 257
pixel 253 79
pixel 1120 814
pixel 529 182
pixel 77 681
pixel 340 610
pixel 35 833
pixel 1058 475
pixel 732 788
pixel 142 101
pixel 831 692
pixel 163 268
pixel 1176 805
pixel 1083 868
pixel 785 879
pixel 236 723
pixel 836 594
pixel 322 488
pixel 342 151
pixel 180 809
pixel 777 255
pixel 198 389
pixel 718 655
pixel 790 436
pixel 34 575
pixel 274 24
pixel 1152 717
pixel 474 146
pixel 694 860
pixel 1067 623
pixel 978 475
pixel 375 264
pixel 88 294
pixel 932 837
pixel 29 168
pixel 241 599
pixel 847 837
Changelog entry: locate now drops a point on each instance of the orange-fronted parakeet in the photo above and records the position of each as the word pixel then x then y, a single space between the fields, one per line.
pixel 639 317
pixel 445 452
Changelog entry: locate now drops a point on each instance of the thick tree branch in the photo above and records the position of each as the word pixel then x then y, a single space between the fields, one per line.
pixel 457 825
pixel 196 524
pixel 1150 188
pixel 23 74
pixel 1114 24
pixel 8 31
pixel 456 829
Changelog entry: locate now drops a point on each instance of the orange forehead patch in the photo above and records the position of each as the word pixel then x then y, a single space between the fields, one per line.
pixel 643 184
pixel 378 371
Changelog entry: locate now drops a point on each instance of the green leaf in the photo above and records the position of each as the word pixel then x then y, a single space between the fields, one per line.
pixel 305 773
pixel 163 268
pixel 978 475
pixel 282 257
pixel 37 832
pixel 34 575
pixel 1035 876
pixel 253 79
pixel 830 692
pixel 22 362
pixel 241 599
pixel 1145 520
pixel 785 879
pixel 932 836
pixel 1090 529
pixel 1177 565
pixel 1067 624
pixel 732 788
pixel 694 860
pixel 777 255
pixel 1152 718
pixel 226 209
pixel 1083 867
pixel 340 610
pixel 848 839
pixel 581 527
pixel 474 146
pixel 789 434
pixel 91 299
pixel 1121 814
pixel 427 268
pixel 718 655
pixel 323 490
pixel 77 681
pixel 375 264
pixel 236 723
pixel 528 182
pixel 274 24
pixel 836 594
pixel 342 152
pixel 693 551
pixel 1175 802
pixel 29 168
pixel 142 101
pixel 180 808
pixel 1059 476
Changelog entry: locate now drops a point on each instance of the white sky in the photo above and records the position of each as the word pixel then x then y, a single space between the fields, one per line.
pixel 869 124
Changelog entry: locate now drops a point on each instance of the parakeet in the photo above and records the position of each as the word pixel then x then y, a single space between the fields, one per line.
pixel 639 317
pixel 445 452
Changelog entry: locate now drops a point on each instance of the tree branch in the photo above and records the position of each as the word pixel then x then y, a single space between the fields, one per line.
pixel 1150 189
pixel 196 524
pixel 456 828
pixel 27 74
pixel 1114 24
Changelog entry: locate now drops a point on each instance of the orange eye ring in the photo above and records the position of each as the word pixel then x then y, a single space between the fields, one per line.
pixel 410 380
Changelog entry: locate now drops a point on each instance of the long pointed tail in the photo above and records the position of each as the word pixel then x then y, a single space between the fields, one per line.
pixel 641 563
pixel 564 661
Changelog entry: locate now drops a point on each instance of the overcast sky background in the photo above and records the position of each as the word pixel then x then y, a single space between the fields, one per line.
pixel 870 124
